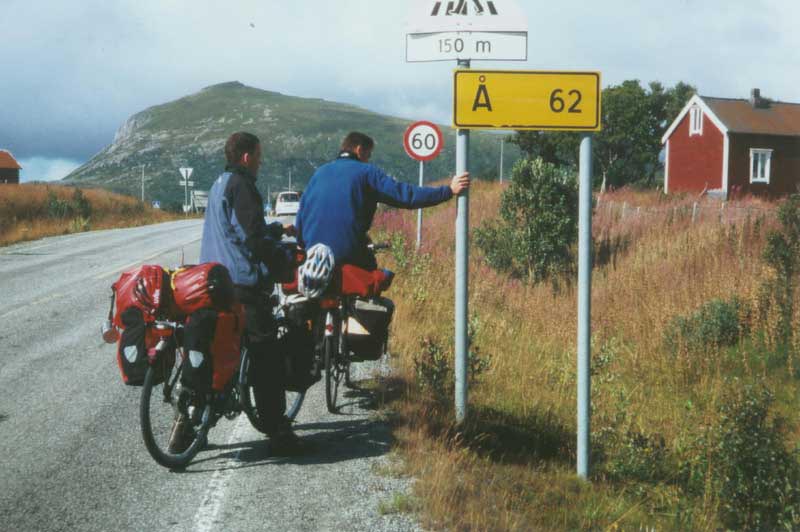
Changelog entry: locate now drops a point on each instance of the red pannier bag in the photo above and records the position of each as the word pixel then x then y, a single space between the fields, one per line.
pixel 141 295
pixel 207 285
pixel 146 288
pixel 352 280
pixel 212 340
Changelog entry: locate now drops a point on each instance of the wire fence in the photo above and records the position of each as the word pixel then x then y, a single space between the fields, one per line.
pixel 725 212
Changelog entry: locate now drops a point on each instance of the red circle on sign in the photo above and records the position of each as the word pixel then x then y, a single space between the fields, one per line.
pixel 423 141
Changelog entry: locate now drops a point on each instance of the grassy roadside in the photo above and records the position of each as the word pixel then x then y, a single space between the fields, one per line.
pixel 691 429
pixel 32 211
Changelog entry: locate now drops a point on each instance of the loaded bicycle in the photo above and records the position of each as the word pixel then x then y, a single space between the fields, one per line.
pixel 347 317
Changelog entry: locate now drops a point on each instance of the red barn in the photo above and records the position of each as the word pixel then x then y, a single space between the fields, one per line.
pixel 722 146
pixel 9 168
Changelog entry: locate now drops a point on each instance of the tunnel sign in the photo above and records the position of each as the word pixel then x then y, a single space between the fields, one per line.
pixel 535 100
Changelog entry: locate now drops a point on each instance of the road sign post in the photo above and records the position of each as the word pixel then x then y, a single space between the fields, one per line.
pixel 186 173
pixel 462 275
pixel 481 30
pixel 584 302
pixel 423 141
pixel 542 100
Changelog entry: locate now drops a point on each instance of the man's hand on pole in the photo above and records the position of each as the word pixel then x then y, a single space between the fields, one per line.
pixel 459 183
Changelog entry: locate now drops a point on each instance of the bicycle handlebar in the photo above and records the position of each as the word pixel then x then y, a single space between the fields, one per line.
pixel 379 246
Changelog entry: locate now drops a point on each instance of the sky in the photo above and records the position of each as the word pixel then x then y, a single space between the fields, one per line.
pixel 73 72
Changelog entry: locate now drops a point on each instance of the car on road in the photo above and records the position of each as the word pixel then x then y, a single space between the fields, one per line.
pixel 287 203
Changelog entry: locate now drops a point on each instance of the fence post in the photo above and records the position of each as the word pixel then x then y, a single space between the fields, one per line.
pixel 624 208
pixel 694 213
pixel 721 212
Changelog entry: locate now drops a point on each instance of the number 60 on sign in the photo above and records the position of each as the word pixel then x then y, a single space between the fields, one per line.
pixel 499 99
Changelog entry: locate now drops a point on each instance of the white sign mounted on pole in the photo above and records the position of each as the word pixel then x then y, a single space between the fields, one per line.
pixel 446 30
pixel 186 172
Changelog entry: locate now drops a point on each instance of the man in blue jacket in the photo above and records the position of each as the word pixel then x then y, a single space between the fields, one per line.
pixel 236 235
pixel 338 205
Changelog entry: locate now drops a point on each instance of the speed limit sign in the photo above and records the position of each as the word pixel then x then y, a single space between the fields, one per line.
pixel 423 141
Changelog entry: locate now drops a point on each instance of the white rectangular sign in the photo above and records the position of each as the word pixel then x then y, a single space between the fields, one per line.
pixel 183 183
pixel 479 45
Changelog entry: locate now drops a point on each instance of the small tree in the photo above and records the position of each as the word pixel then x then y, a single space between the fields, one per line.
pixel 538 224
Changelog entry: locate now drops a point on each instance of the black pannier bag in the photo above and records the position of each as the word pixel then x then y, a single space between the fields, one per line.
pixel 198 335
pixel 296 345
pixel 136 338
pixel 368 327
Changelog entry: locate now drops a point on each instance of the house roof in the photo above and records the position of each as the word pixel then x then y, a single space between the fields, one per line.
pixel 778 118
pixel 7 160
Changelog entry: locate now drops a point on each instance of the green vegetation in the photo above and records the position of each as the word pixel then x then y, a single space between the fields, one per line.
pixel 297 134
pixel 538 224
pixel 695 388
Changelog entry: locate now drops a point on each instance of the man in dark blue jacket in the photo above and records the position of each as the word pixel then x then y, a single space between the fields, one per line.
pixel 236 235
pixel 338 205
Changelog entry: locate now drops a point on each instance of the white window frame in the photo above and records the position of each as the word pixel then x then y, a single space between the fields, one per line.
pixel 765 167
pixel 695 120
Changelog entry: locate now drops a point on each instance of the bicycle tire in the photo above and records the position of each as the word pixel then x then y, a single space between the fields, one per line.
pixel 157 420
pixel 332 373
pixel 249 402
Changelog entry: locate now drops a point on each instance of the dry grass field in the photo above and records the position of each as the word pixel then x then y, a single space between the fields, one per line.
pixel 687 424
pixel 33 211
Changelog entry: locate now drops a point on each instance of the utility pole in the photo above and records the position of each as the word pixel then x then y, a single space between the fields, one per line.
pixel 142 183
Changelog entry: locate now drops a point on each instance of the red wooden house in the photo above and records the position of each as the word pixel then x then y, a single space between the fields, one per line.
pixel 9 168
pixel 724 146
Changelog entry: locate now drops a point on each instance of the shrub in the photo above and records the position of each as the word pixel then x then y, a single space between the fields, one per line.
pixel 757 478
pixel 715 324
pixel 538 227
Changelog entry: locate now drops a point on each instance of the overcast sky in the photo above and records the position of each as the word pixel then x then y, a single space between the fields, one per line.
pixel 73 72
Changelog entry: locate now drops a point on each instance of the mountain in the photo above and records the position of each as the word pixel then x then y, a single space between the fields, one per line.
pixel 297 135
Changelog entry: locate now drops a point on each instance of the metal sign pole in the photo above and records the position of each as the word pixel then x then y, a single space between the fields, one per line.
pixel 501 160
pixel 462 271
pixel 419 211
pixel 584 302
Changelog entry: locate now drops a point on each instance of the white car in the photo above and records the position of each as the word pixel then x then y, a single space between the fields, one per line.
pixel 287 204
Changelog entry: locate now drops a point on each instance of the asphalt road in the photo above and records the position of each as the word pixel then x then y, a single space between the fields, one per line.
pixel 71 453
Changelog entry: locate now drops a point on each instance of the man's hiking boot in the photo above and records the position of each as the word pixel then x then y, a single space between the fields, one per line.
pixel 284 442
pixel 182 435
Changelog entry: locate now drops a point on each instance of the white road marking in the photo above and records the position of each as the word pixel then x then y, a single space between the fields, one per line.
pixel 206 516
pixel 142 261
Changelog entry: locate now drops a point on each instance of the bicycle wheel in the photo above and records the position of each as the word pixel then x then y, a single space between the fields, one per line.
pixel 162 402
pixel 294 400
pixel 333 372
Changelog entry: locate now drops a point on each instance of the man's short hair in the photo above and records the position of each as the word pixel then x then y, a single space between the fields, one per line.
pixel 238 144
pixel 354 139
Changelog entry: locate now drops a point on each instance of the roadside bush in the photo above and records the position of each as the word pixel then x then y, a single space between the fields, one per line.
pixel 744 461
pixel 715 324
pixel 537 229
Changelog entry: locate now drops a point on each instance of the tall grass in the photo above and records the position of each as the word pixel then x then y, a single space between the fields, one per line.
pixel 32 211
pixel 511 467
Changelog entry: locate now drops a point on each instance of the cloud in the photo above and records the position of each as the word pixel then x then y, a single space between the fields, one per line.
pixel 45 169
pixel 80 69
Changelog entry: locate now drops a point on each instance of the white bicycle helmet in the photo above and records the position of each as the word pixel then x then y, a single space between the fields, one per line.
pixel 316 272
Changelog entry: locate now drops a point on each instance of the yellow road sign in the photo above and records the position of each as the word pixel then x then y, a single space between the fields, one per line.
pixel 524 99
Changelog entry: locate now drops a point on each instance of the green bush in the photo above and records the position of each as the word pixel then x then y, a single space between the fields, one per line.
pixel 538 225
pixel 715 324
pixel 756 477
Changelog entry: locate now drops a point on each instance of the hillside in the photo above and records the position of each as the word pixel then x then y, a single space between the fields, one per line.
pixel 297 134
